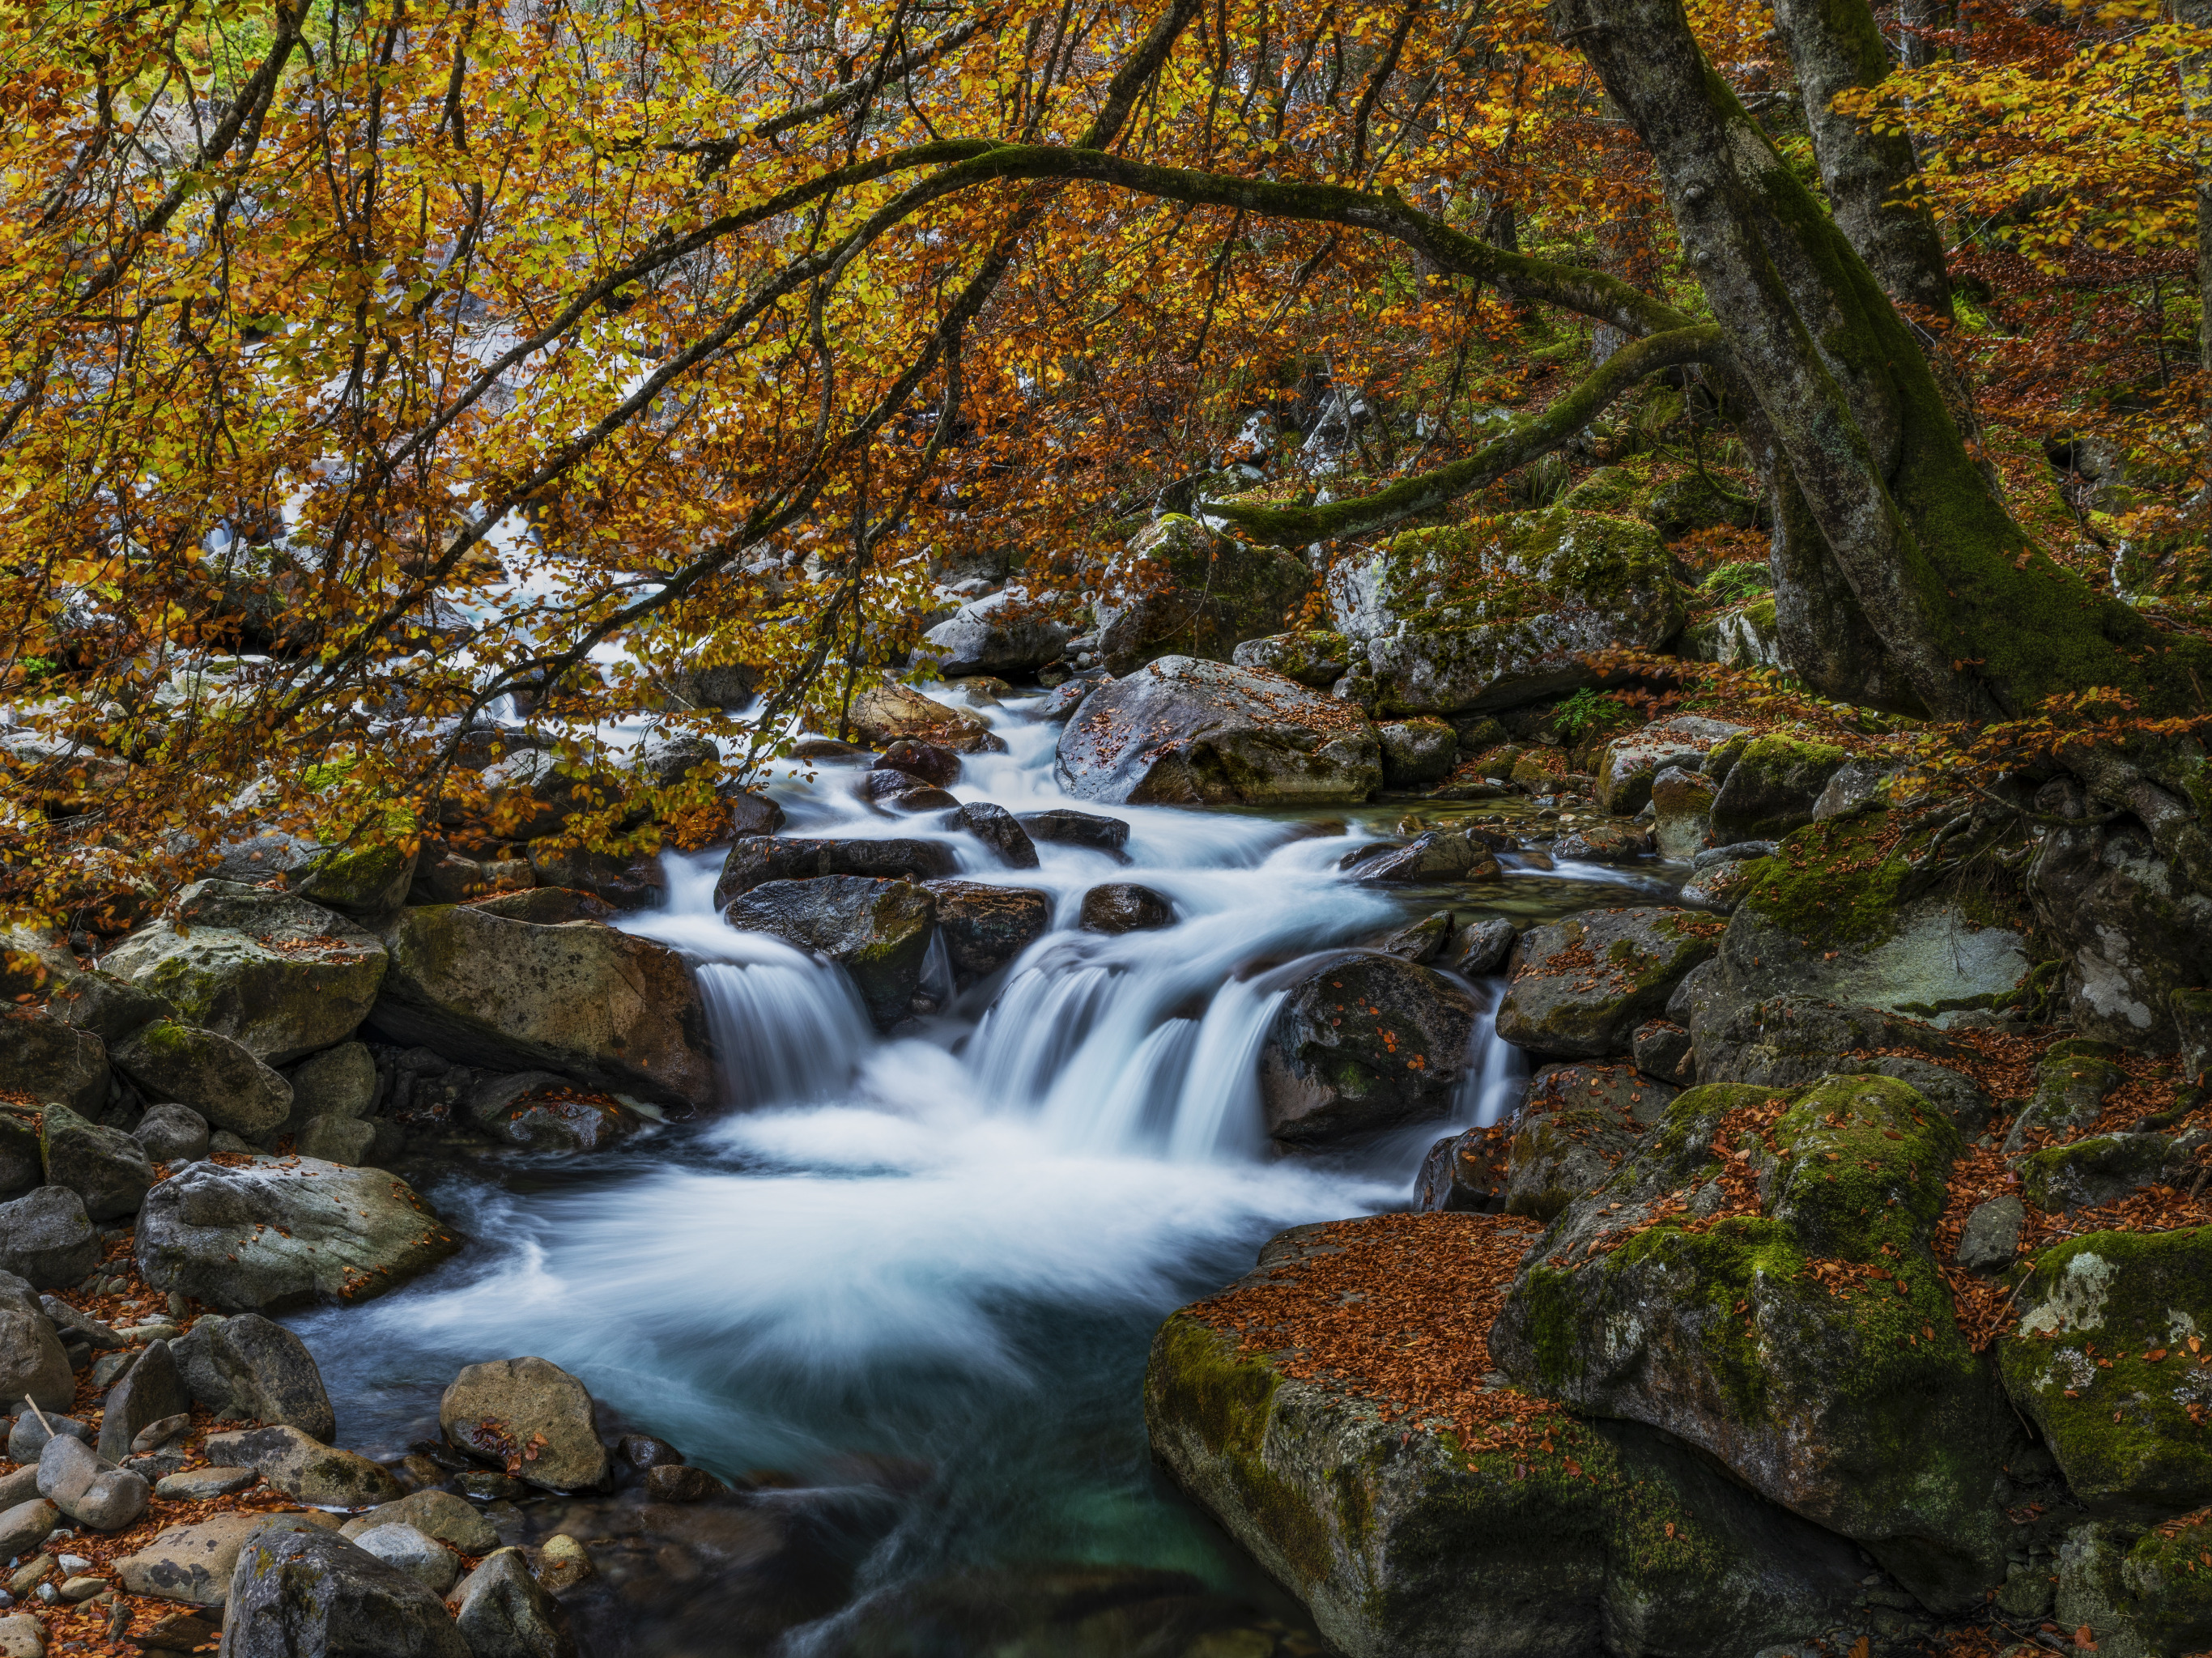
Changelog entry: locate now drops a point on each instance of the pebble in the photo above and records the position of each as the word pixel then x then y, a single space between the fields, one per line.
pixel 198 1484
pixel 140 1334
pixel 73 1564
pixel 82 1588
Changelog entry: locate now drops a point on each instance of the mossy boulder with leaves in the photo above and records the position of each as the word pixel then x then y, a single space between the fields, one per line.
pixel 1177 589
pixel 1758 1282
pixel 1581 985
pixel 1451 622
pixel 2145 1595
pixel 1772 785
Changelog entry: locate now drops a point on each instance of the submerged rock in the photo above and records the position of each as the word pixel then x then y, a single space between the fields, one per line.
pixel 1362 1042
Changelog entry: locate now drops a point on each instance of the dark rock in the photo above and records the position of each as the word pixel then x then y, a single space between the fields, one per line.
pixel 304 1468
pixel 178 1632
pixel 50 1060
pixel 920 798
pixel 32 1364
pixel 1604 843
pixel 1417 753
pixel 884 786
pixel 997 828
pixel 632 882
pixel 541 1111
pixel 30 1434
pixel 150 1390
pixel 1464 1173
pixel 877 930
pixel 666 758
pixel 643 1451
pixel 1178 588
pixel 664 1483
pixel 531 1417
pixel 751 814
pixel 1317 657
pixel 1581 985
pixel 209 1073
pixel 1003 633
pixel 1363 1042
pixel 22 1166
pixel 2086 1172
pixel 1663 1049
pixel 926 761
pixel 504 1614
pixel 1577 1124
pixel 1483 948
pixel 1787 1041
pixel 47 1239
pixel 1433 856
pixel 104 1166
pixel 172 1133
pixel 547 906
pixel 110 1007
pixel 248 1368
pixel 1125 907
pixel 1991 1238
pixel 1062 826
pixel 2071 1088
pixel 1772 787
pixel 1421 941
pixel 984 927
pixel 313 1594
pixel 758 859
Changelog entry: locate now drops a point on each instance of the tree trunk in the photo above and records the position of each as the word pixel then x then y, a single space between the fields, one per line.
pixel 1973 619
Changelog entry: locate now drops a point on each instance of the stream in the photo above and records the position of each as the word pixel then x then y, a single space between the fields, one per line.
pixel 907 1283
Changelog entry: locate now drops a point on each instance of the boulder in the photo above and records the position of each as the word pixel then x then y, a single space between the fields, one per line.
pixel 605 1007
pixel 47 1240
pixel 1681 811
pixel 172 1133
pixel 668 756
pixel 1420 941
pixel 21 1165
pixel 425 1559
pixel 1787 1041
pixel 361 880
pixel 530 1416
pixel 984 927
pixel 1665 1050
pixel 2073 1080
pixel 1746 635
pixel 1400 1540
pixel 335 1139
pixel 28 1439
pixel 884 715
pixel 278 975
pixel 192 1563
pixel 50 1060
pixel 504 1614
pixel 540 1112
pixel 338 1082
pixel 32 1364
pixel 1183 732
pixel 1482 949
pixel 207 1072
pixel 760 858
pixel 879 932
pixel 1435 856
pixel 304 1468
pixel 104 1166
pixel 1857 786
pixel 1576 1124
pixel 2146 1596
pixel 622 881
pixel 1362 1043
pixel 1125 907
pixel 274 1234
pixel 1062 826
pixel 1991 1237
pixel 750 814
pixel 925 760
pixel 1464 1173
pixel 1626 771
pixel 71 1478
pixel 1318 658
pixel 999 830
pixel 1758 1281
pixel 313 1594
pixel 1178 588
pixel 2084 1174
pixel 248 1368
pixel 2100 1361
pixel 452 1521
pixel 1006 632
pixel 1417 753
pixel 1448 625
pixel 151 1391
pixel 1581 987
pixel 1602 843
pixel 1772 787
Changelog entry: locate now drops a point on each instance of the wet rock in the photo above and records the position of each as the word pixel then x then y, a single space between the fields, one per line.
pixel 1181 731
pixel 632 882
pixel 1991 1237
pixel 274 1234
pixel 997 828
pixel 1899 1444
pixel 1580 986
pixel 1062 826
pixel 1790 1041
pixel 452 1521
pixel 2120 1419
pixel 919 798
pixel 248 1368
pixel 172 1133
pixel 540 1112
pixel 643 1451
pixel 46 1238
pixel 1772 787
pixel 50 1060
pixel 1177 587
pixel 1422 941
pixel 1576 1125
pixel 278 975
pixel 668 1484
pixel 1681 811
pixel 1417 753
pixel 313 1594
pixel 505 1613
pixel 1360 1044
pixel 604 1007
pixel 151 1391
pixel 1437 855
pixel 1602 843
pixel 751 814
pixel 206 1072
pixel 1125 907
pixel 193 1563
pixel 984 927
pixel 878 931
pixel 104 1166
pixel 304 1468
pixel 71 1478
pixel 1464 1173
pixel 1318 657
pixel 1483 948
pixel 425 1559
pixel 1003 633
pixel 532 1417
pixel 1663 1049
pixel 1630 763
pixel 753 862
pixel 925 760
pixel 882 716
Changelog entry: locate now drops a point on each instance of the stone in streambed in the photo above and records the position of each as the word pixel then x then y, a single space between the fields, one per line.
pixel 313 1594
pixel 997 828
pixel 1416 753
pixel 1125 907
pixel 50 1060
pixel 541 1111
pixel 926 761
pixel 425 1559
pixel 204 1484
pixel 47 1240
pixel 26 1525
pixel 878 931
pixel 1362 1042
pixel 192 1563
pixel 71 1478
pixel 303 1469
pixel 104 1166
pixel 1062 826
pixel 758 859
pixel 531 1417
pixel 1578 1123
pixel 675 1482
pixel 149 1391
pixel 1581 985
pixel 1484 947
pixel 282 1233
pixel 1772 787
pixel 214 1076
pixel 984 927
pixel 452 1521
pixel 505 1614
pixel 248 1368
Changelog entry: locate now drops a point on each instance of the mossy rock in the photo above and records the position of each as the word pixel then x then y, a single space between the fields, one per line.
pixel 2086 1172
pixel 1318 656
pixel 1771 788
pixel 365 881
pixel 1801 1333
pixel 2126 1427
pixel 1178 589
pixel 2140 1597
pixel 1581 985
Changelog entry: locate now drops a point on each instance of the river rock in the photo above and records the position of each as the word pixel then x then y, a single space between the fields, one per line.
pixel 984 927
pixel 1850 1397
pixel 338 1082
pixel 1991 1237
pixel 529 1416
pixel 1399 1543
pixel 622 881
pixel 540 1112
pixel 2073 1080
pixel 71 1478
pixel 1626 772
pixel 1578 1123
pixel 1772 787
pixel 2086 1172
pixel 1179 588
pixel 606 1008
pixel 1464 1173
pixel 278 975
pixel 1362 1042
pixel 192 1563
pixel 1065 827
pixel 1183 732
pixel 1437 855
pixel 172 1133
pixel 313 1594
pixel 673 1483
pixel 1007 632
pixel 761 859
pixel 877 931
pixel 1417 753
pixel 248 1368
pixel 882 716
pixel 425 1559
pixel 304 1468
pixel 1681 811
pixel 2099 1362
pixel 999 830
pixel 1419 941
pixel 452 1521
pixel 104 1166
pixel 151 1391
pixel 1580 986
pixel 207 1072
pixel 32 1364
pixel 28 1439
pixel 204 1484
pixel 2141 1596
pixel 50 1060
pixel 47 1240
pixel 276 1234
pixel 923 760
pixel 1125 907
pixel 1787 1041
pixel 1483 948
pixel 1317 657
pixel 1449 625
pixel 504 1614
pixel 24 1526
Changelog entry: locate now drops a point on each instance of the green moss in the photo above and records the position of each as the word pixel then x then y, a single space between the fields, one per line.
pixel 2091 1171
pixel 1832 881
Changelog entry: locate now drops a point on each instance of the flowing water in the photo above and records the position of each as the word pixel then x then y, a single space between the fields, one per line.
pixel 907 1282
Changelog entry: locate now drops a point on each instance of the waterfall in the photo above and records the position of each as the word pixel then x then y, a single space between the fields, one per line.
pixel 788 1032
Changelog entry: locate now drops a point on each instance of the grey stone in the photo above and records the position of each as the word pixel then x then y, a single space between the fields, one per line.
pixel 110 1007
pixel 204 1484
pixel 338 1082
pixel 1663 1049
pixel 529 1416
pixel 319 1475
pixel 452 1521
pixel 1178 586
pixel 1362 1042
pixel 878 931
pixel 1483 948
pixel 1003 633
pixel 149 1391
pixel 1856 785
pixel 27 1438
pixel 505 1613
pixel 50 1060
pixel 47 1239
pixel 756 859
pixel 26 1525
pixel 172 1134
pixel 104 1166
pixel 1991 1237
pixel 217 1077
pixel 997 828
pixel 71 1478
pixel 1681 811
pixel 313 1594
pixel 425 1559
pixel 335 1139
pixel 32 1364
pixel 1581 986
pixel 1416 753
pixel 1625 774
pixel 193 1563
